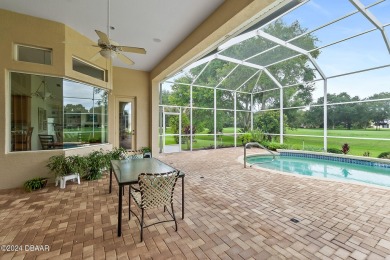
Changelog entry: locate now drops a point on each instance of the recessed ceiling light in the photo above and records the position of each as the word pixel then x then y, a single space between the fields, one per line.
pixel 156 40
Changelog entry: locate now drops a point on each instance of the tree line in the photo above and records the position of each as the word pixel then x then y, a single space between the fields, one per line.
pixel 298 70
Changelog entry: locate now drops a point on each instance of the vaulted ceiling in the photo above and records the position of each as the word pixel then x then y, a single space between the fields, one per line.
pixel 158 26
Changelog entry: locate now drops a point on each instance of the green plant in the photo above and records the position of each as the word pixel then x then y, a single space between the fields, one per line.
pixel 78 164
pixel 59 165
pixel 367 154
pixel 146 149
pixel 147 152
pixel 35 184
pixel 245 138
pixel 62 166
pixel 334 150
pixel 257 135
pixel 118 153
pixel 94 140
pixel 96 161
pixel 273 146
pixel 384 155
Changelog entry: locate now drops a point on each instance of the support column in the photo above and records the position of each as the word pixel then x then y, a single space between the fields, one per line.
pixel 325 115
pixel 161 114
pixel 281 116
pixel 235 119
pixel 215 118
pixel 180 129
pixel 190 118
pixel 251 112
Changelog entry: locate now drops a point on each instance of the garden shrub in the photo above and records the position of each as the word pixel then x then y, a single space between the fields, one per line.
pixel 273 146
pixel 384 155
pixel 334 150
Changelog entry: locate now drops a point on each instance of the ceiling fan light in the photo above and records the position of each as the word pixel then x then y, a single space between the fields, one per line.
pixel 108 54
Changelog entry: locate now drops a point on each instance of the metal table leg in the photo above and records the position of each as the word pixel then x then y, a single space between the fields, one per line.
pixel 109 191
pixel 120 211
pixel 182 197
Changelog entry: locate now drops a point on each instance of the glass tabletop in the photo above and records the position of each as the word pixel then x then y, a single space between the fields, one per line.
pixel 127 171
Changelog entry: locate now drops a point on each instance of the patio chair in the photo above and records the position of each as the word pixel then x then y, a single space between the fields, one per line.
pixel 135 154
pixel 155 190
pixel 47 141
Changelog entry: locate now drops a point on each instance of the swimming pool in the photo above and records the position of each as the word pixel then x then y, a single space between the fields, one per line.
pixel 329 167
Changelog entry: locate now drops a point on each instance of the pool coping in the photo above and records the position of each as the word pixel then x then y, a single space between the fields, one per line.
pixel 240 159
pixel 352 159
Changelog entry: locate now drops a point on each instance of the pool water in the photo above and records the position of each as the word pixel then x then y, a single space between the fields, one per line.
pixel 325 169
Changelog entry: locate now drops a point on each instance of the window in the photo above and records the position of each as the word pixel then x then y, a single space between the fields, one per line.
pixel 85 113
pixel 68 113
pixel 33 54
pixel 88 69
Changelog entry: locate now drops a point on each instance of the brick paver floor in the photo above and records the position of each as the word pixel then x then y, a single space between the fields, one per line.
pixel 231 213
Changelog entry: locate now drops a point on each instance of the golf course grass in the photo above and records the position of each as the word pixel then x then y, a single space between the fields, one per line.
pixel 336 138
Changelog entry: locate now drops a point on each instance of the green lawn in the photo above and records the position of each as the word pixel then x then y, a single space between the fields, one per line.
pixel 357 147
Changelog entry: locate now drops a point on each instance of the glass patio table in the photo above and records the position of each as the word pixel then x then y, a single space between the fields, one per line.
pixel 126 173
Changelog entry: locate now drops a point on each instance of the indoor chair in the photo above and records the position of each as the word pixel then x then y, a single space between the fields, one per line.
pixel 47 141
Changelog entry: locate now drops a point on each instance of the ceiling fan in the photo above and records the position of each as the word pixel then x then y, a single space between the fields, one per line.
pixel 111 49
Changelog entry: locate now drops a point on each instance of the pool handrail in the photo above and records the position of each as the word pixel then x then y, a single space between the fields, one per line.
pixel 251 144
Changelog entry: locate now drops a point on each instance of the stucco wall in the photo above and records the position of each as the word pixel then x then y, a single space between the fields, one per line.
pixel 129 83
pixel 17 167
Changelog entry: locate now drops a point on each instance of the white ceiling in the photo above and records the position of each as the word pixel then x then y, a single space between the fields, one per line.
pixel 136 22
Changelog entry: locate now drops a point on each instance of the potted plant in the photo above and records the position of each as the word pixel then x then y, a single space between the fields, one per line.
pixel 35 184
pixel 61 165
pixel 118 153
pixel 96 160
pixel 67 168
pixel 147 152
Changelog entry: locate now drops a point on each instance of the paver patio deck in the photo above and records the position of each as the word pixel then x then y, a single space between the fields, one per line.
pixel 231 213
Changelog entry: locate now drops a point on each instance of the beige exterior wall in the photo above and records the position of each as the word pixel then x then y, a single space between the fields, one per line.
pixel 130 84
pixel 17 167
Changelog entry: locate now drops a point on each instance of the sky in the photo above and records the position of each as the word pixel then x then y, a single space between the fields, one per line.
pixel 78 93
pixel 359 53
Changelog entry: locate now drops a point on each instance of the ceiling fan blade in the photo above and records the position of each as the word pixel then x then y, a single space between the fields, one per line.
pixel 95 57
pixel 132 49
pixel 103 37
pixel 125 59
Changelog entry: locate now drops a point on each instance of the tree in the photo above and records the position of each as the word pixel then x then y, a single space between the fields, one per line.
pixel 339 115
pixel 174 124
pixel 289 72
pixel 379 110
pixel 269 123
pixel 218 73
pixel 71 108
